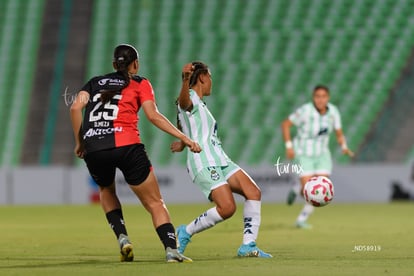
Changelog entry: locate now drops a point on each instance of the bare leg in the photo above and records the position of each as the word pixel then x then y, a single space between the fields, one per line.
pixel 149 194
pixel 242 184
pixel 307 209
pixel 303 181
pixel 113 212
pixel 109 199
pixel 224 200
pixel 224 209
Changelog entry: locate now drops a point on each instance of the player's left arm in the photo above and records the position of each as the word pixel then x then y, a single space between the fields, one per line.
pixel 340 137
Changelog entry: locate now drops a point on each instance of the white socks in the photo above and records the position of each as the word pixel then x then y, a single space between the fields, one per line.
pixel 206 220
pixel 305 213
pixel 251 217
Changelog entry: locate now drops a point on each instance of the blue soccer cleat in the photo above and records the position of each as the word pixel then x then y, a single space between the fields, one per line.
pixel 251 250
pixel 183 238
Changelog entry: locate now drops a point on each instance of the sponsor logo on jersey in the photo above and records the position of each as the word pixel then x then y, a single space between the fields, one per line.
pixel 101 131
pixel 323 131
pixel 110 81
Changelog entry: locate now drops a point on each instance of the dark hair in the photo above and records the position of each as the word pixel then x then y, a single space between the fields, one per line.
pixel 322 87
pixel 199 68
pixel 124 55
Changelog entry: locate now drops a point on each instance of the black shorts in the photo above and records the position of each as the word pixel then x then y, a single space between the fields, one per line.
pixel 132 160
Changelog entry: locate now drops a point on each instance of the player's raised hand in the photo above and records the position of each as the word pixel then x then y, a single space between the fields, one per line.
pixel 188 70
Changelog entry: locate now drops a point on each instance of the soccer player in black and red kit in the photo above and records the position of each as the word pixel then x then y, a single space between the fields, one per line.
pixel 107 137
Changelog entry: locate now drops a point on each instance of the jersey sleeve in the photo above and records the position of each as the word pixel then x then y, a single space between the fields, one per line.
pixel 195 101
pixel 296 116
pixel 87 87
pixel 146 92
pixel 337 119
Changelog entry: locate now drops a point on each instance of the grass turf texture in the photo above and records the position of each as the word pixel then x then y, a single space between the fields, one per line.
pixel 357 239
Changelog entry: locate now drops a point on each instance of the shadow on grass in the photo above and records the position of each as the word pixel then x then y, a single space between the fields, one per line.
pixel 60 262
pixel 50 262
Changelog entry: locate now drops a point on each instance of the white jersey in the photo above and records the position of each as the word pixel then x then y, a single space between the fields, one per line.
pixel 199 125
pixel 313 129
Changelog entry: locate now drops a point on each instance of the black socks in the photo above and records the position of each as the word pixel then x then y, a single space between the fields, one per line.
pixel 166 233
pixel 116 221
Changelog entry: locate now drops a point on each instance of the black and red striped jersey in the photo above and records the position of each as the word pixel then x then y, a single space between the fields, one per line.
pixel 115 123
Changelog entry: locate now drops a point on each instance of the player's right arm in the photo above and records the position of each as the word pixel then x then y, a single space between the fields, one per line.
pixel 76 117
pixel 184 100
pixel 160 121
pixel 177 146
pixel 286 125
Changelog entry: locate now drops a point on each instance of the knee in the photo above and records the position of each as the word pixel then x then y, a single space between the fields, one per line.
pixel 227 210
pixel 257 194
pixel 153 205
pixel 254 194
pixel 107 191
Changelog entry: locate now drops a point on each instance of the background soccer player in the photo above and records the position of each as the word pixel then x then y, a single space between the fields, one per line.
pixel 216 175
pixel 107 138
pixel 310 148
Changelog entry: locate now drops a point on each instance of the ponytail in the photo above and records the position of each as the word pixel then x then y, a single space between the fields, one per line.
pixel 199 68
pixel 124 55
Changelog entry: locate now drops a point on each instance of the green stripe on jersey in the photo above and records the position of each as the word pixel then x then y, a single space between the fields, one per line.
pixel 313 129
pixel 201 126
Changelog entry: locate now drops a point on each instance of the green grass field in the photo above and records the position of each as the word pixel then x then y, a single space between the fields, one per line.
pixel 358 239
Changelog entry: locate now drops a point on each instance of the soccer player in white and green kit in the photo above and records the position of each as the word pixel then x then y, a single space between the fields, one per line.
pixel 216 175
pixel 314 121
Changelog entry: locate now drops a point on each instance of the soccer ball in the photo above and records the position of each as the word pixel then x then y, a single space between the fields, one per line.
pixel 318 191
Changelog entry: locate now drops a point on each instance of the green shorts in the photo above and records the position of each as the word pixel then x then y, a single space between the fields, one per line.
pixel 210 178
pixel 315 165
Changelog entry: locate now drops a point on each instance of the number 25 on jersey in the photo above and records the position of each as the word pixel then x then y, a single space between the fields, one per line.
pixel 109 112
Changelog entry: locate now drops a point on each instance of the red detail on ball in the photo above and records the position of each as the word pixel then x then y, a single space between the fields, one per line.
pixel 327 199
pixel 316 187
pixel 325 180
pixel 315 203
